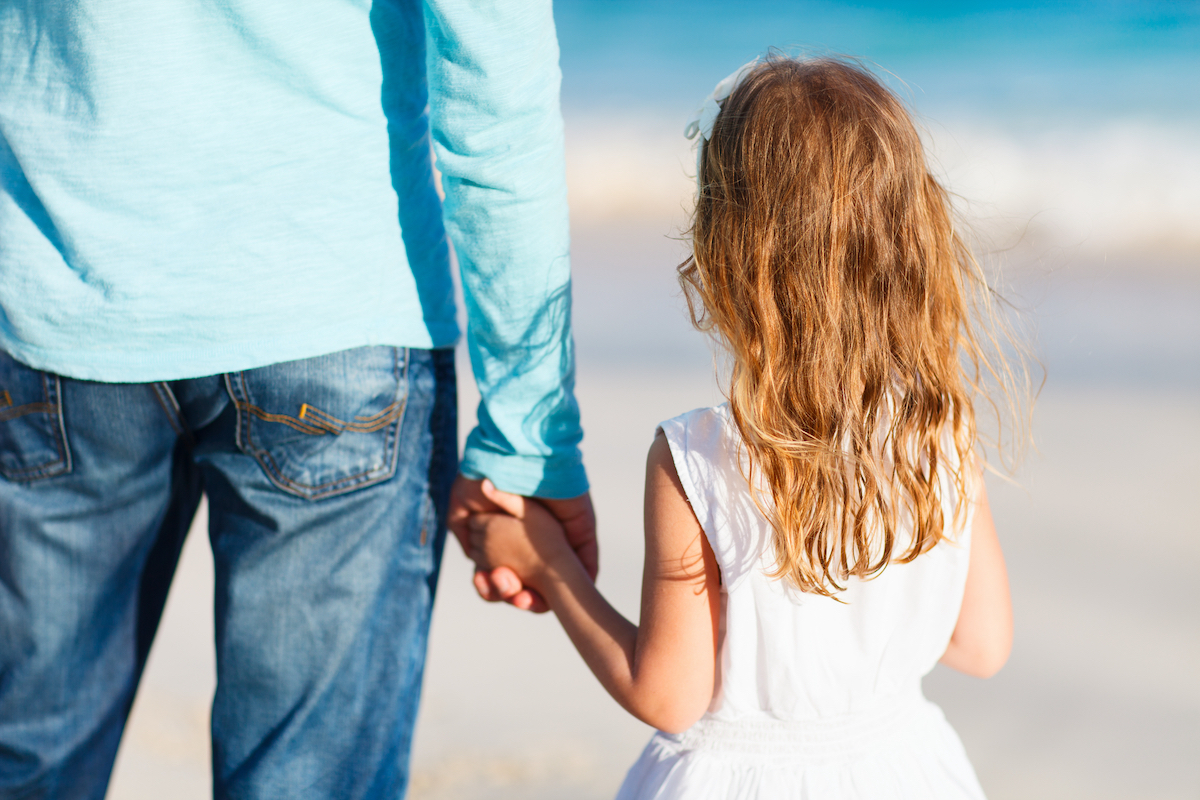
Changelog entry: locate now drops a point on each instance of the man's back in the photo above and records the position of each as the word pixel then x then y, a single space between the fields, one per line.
pixel 197 187
pixel 190 186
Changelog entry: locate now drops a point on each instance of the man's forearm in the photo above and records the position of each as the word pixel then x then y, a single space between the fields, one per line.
pixel 497 125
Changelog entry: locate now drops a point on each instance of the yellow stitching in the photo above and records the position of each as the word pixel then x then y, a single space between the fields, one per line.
pixel 281 418
pixel 317 422
pixel 28 408
pixel 387 412
pixel 5 399
pixel 366 424
pixel 319 419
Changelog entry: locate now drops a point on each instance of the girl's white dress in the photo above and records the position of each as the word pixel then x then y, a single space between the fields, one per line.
pixel 815 699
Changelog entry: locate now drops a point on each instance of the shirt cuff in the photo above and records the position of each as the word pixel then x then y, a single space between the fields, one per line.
pixel 551 477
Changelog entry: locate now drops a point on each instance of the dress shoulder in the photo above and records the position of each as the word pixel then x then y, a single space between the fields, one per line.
pixel 707 453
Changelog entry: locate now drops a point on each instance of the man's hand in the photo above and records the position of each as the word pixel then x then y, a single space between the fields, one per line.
pixel 575 514
pixel 526 538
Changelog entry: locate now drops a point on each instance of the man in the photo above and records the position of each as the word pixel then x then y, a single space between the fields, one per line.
pixel 223 269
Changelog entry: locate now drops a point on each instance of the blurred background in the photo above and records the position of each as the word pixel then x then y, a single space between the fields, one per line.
pixel 1070 135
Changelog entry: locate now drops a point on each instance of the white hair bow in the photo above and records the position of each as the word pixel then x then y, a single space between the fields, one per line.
pixel 702 121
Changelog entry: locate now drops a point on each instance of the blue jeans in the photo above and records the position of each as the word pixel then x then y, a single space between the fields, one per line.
pixel 327 480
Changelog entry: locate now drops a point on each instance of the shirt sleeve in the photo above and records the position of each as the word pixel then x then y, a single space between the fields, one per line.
pixel 497 128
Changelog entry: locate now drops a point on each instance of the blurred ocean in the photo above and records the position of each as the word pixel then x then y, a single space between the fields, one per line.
pixel 1068 124
pixel 1070 134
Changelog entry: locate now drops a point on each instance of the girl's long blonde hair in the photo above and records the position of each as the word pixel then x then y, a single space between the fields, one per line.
pixel 825 259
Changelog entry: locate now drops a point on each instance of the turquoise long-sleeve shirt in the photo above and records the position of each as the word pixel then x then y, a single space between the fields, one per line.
pixel 190 187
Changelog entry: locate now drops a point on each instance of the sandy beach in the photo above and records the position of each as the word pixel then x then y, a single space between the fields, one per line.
pixel 1100 699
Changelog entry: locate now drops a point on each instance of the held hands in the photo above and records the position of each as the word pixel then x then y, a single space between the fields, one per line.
pixel 526 538
pixel 575 516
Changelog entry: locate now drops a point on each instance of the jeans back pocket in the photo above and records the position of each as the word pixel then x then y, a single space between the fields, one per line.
pixel 327 425
pixel 33 438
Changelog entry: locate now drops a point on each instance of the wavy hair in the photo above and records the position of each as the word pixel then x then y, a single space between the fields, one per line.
pixel 825 259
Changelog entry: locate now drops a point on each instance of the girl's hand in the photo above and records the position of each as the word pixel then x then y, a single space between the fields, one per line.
pixel 527 539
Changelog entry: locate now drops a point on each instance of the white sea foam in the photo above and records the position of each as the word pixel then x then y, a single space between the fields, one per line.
pixel 1122 187
pixel 1116 188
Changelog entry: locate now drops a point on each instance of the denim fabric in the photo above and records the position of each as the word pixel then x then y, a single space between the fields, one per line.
pixel 327 480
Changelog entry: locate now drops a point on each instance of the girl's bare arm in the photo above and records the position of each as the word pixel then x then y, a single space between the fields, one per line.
pixel 661 671
pixel 982 637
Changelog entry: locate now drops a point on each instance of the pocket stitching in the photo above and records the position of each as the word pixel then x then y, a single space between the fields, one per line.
pixel 323 422
pixel 320 491
pixel 51 405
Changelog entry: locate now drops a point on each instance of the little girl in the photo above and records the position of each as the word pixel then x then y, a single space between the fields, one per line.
pixel 817 543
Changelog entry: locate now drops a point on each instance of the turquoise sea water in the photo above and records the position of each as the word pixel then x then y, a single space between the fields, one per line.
pixel 1026 60
pixel 1070 128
